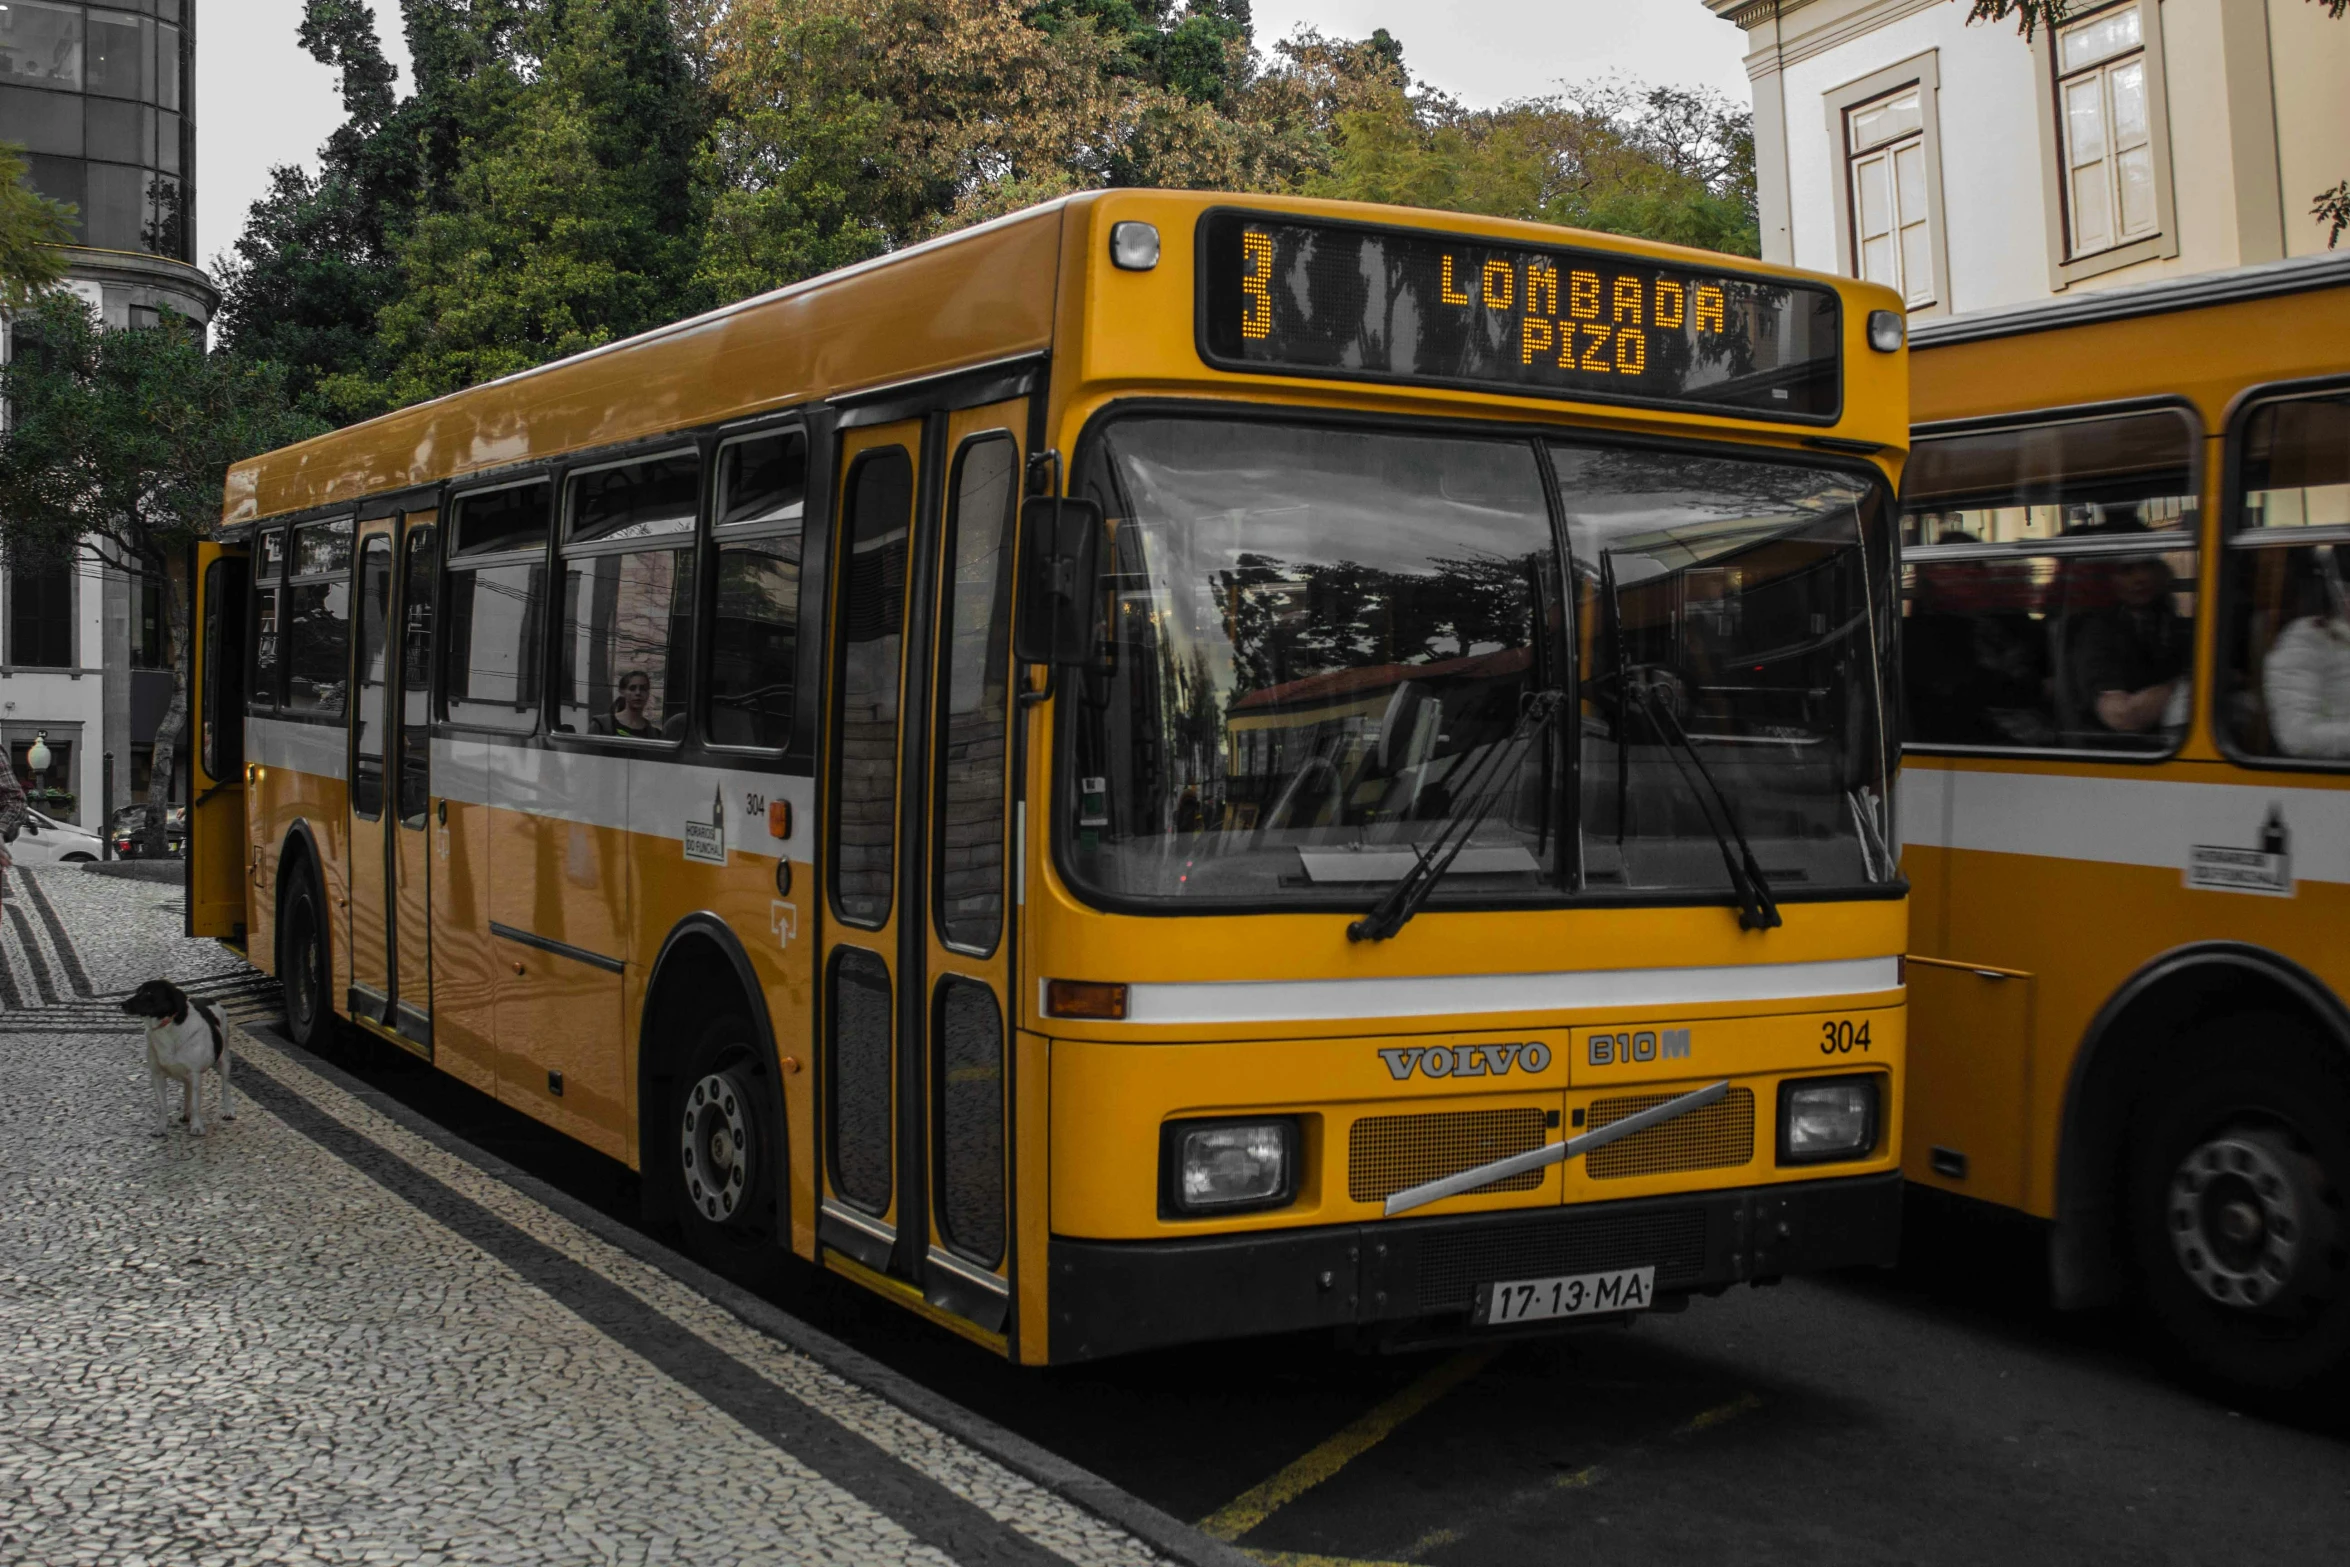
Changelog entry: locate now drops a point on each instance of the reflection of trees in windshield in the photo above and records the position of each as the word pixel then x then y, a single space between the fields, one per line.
pixel 1357 691
pixel 1285 621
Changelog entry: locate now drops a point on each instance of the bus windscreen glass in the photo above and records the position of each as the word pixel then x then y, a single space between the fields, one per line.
pixel 1349 300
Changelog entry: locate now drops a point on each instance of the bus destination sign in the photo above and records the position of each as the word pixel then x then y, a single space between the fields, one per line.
pixel 1344 299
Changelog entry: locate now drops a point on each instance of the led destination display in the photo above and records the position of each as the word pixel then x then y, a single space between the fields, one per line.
pixel 1399 304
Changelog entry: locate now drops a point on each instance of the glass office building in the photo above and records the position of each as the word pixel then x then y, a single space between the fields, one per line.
pixel 101 98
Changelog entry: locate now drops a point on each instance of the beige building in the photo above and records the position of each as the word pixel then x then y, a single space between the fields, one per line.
pixel 1970 169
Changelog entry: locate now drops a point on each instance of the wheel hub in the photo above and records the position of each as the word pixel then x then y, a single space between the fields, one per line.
pixel 2240 1208
pixel 716 1146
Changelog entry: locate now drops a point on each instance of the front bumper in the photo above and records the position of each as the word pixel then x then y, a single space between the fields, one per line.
pixel 1114 1297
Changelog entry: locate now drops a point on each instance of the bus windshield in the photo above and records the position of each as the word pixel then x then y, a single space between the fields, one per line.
pixel 1321 641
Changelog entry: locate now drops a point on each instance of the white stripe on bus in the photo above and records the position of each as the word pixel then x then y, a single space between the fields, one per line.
pixel 2121 821
pixel 649 796
pixel 652 797
pixel 1326 1000
pixel 321 750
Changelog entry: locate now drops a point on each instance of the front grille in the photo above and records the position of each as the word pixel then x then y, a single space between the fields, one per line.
pixel 1391 1153
pixel 1720 1135
pixel 1451 1266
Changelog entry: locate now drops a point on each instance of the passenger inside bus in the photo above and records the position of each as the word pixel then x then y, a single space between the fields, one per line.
pixel 2305 679
pixel 2129 656
pixel 629 718
pixel 1974 666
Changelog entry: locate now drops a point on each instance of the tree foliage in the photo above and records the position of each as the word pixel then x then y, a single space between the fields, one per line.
pixel 31 228
pixel 1665 163
pixel 118 443
pixel 561 173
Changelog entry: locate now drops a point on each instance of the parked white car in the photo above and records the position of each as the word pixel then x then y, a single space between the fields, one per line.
pixel 44 840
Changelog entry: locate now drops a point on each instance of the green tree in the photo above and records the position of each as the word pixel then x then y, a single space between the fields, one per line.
pixel 117 447
pixel 31 228
pixel 573 213
pixel 2332 207
pixel 1663 163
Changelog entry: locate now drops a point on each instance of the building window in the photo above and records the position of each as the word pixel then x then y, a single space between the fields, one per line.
pixel 2107 131
pixel 150 623
pixel 1885 161
pixel 41 43
pixel 40 617
pixel 1890 224
pixel 52 790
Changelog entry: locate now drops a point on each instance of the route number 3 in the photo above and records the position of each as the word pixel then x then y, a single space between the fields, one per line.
pixel 1838 1037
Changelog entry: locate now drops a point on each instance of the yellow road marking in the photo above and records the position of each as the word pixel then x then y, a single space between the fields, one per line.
pixel 1578 1480
pixel 1743 1404
pixel 1305 1559
pixel 1432 1539
pixel 1253 1506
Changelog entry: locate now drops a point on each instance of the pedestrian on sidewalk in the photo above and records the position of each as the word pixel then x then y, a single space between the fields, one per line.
pixel 12 809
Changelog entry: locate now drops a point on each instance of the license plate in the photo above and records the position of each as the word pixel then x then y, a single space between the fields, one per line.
pixel 1571 1295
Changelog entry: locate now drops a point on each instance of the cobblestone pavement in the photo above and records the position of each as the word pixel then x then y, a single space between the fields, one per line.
pixel 318 1336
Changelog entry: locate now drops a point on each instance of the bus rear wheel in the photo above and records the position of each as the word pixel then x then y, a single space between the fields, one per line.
pixel 725 1153
pixel 302 965
pixel 2240 1210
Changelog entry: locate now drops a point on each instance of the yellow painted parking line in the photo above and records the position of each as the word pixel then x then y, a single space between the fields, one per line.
pixel 1253 1506
pixel 1743 1404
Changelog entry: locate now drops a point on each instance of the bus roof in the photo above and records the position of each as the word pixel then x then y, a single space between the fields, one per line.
pixel 2300 274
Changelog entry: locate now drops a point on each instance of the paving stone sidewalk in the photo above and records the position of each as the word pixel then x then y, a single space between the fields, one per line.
pixel 318 1335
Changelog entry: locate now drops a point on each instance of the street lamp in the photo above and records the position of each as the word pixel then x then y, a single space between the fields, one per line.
pixel 36 760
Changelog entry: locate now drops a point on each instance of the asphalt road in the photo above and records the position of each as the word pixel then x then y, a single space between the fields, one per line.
pixel 1936 1414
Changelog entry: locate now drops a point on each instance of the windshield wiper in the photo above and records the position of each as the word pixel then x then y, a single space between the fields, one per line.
pixel 1486 784
pixel 1757 909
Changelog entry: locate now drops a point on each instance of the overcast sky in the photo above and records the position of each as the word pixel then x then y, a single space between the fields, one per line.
pixel 261 101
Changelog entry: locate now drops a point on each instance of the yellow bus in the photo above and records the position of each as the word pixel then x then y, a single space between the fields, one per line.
pixel 1163 768
pixel 2125 539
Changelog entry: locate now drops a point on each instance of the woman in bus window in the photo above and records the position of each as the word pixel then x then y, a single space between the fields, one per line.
pixel 629 718
pixel 2306 677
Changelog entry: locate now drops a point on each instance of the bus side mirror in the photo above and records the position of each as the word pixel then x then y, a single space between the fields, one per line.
pixel 1060 540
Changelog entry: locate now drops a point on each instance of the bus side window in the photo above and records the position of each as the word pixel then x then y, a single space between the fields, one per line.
pixel 497 586
pixel 2285 626
pixel 762 496
pixel 626 663
pixel 2048 575
pixel 317 613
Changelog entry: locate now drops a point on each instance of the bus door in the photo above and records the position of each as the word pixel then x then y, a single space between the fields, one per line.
pixel 218 855
pixel 391 964
pixel 917 948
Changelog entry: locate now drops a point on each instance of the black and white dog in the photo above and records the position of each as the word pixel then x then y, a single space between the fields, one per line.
pixel 186 1038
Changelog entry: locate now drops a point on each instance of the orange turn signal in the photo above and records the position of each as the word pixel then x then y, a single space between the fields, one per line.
pixel 1084 998
pixel 779 818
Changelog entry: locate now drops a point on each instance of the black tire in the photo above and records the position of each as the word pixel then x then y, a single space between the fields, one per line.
pixel 2239 1209
pixel 303 966
pixel 722 1147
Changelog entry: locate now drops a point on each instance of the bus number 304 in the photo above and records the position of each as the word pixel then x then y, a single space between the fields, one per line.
pixel 1838 1037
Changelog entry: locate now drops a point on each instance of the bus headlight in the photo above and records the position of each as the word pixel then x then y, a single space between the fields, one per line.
pixel 1225 1166
pixel 1887 331
pixel 1827 1118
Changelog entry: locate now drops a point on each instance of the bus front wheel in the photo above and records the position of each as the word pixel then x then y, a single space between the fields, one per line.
pixel 2240 1208
pixel 302 965
pixel 725 1146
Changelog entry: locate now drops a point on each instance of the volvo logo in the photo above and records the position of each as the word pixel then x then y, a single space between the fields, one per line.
pixel 1465 1060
